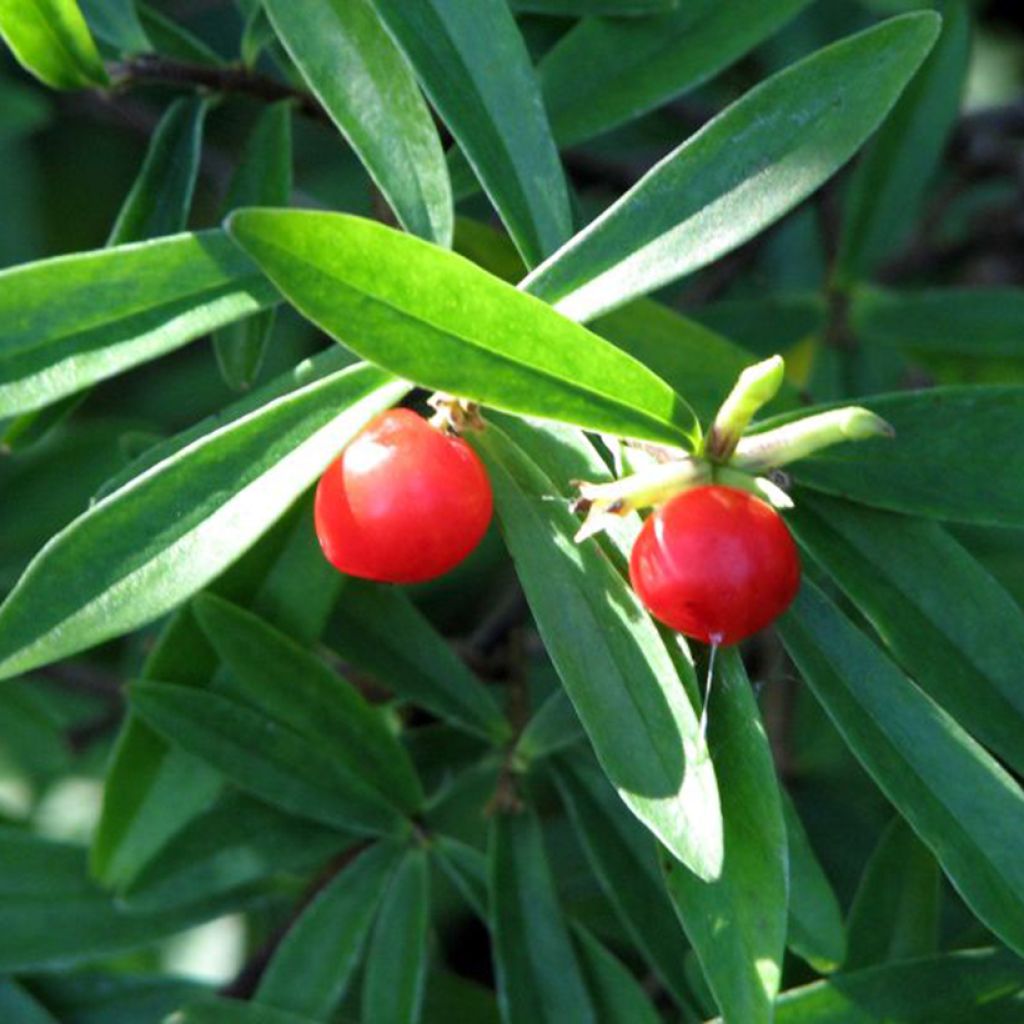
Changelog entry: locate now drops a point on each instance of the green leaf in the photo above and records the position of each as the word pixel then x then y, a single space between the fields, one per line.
pixel 264 756
pixel 236 842
pixel 18 1006
pixel 211 1010
pixel 959 988
pixel 957 632
pixel 437 319
pixel 100 997
pixel 154 543
pixel 538 978
pixel 740 173
pixel 396 963
pixel 554 727
pixel 31 427
pixel 310 970
pixel 466 867
pixel 606 72
pixel 611 659
pixel 583 8
pixel 815 929
pixel 618 851
pixel 154 791
pixel 366 86
pixel 925 470
pixel 50 39
pixel 263 175
pixel 54 916
pixel 116 22
pixel 737 923
pixel 887 188
pixel 159 201
pixel 961 803
pixel 170 38
pixel 966 322
pixel 74 320
pixel 278 678
pixel 617 996
pixel 895 913
pixel 490 99
pixel 379 630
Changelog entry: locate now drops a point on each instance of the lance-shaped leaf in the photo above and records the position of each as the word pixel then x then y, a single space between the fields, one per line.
pixel 606 72
pixel 618 850
pixel 967 322
pixel 51 40
pixel 583 8
pixel 365 84
pixel 895 912
pixel 957 798
pixel 71 321
pixel 17 1004
pixel 263 176
pixel 490 99
pixel 617 996
pixel 154 543
pixel 740 173
pixel 379 630
pixel 160 199
pixel 310 971
pixel 539 980
pixel 957 632
pixel 170 38
pixel 55 916
pixel 971 474
pixel 815 930
pixel 277 677
pixel 116 22
pixel 737 923
pixel 612 662
pixel 436 319
pixel 890 180
pixel 113 996
pixel 960 988
pixel 396 963
pixel 212 1010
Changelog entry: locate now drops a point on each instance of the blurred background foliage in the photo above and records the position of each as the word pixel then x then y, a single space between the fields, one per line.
pixel 68 160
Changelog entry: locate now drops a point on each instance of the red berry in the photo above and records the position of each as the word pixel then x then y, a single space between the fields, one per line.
pixel 403 503
pixel 716 564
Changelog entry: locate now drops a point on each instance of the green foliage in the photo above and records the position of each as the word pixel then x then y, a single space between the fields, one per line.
pixel 505 795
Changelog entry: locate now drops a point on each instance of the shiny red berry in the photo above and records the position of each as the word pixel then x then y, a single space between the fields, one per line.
pixel 403 503
pixel 716 564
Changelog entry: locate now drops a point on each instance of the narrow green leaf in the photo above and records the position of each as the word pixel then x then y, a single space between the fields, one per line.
pixel 18 1006
pixel 437 319
pixel 815 929
pixel 554 727
pixel 961 803
pixel 490 99
pixel 264 757
pixel 617 996
pixel 618 851
pixel 959 988
pixel 379 630
pixel 583 8
pixel 151 545
pixel 396 963
pixel 170 38
pixel 211 1010
pixel 50 39
pixel 54 916
pixel 889 183
pixel 236 842
pixel 606 72
pixel 466 867
pixel 112 997
pixel 277 677
pixel 968 322
pixel 957 632
pixel 770 323
pixel 116 22
pixel 612 662
pixel 257 35
pixel 925 470
pixel 895 913
pixel 71 321
pixel 310 970
pixel 161 197
pixel 539 980
pixel 366 86
pixel 27 429
pixel 263 176
pixel 744 170
pixel 737 923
